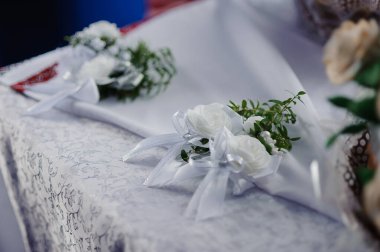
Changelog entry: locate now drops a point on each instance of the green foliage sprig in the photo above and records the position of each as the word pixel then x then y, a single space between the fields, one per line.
pixel 275 115
pixel 195 150
pixel 157 68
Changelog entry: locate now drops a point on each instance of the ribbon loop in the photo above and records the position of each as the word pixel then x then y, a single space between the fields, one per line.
pixel 179 124
pixel 164 171
pixel 86 91
pixel 183 136
pixel 152 142
pixel 208 199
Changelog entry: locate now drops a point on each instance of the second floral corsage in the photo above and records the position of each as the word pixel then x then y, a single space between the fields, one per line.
pixel 239 142
pixel 120 70
pixel 98 65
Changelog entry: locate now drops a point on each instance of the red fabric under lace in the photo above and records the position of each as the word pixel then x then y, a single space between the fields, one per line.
pixel 40 77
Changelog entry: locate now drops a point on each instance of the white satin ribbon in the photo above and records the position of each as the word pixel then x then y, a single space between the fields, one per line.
pixel 87 91
pixel 208 199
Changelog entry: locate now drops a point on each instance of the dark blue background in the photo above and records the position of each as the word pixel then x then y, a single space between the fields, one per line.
pixel 31 27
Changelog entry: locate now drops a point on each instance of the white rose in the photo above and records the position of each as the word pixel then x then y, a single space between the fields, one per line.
pixel 207 120
pixel 98 68
pixel 347 47
pixel 248 124
pixel 102 29
pixel 113 50
pixel 251 150
pixel 97 44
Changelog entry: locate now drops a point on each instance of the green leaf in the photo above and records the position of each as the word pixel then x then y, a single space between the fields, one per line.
pixel 233 104
pixel 301 93
pixel 275 101
pixel 268 148
pixel 364 174
pixel 244 104
pixel 257 127
pixel 369 75
pixel 184 156
pixel 332 139
pixel 365 108
pixel 252 104
pixel 350 129
pixel 204 141
pixel 295 139
pixel 354 128
pixel 67 38
pixel 341 101
pixel 200 150
pixel 285 130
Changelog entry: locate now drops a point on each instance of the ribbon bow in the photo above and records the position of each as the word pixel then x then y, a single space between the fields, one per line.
pixel 219 167
pixel 163 173
pixel 56 82
pixel 86 91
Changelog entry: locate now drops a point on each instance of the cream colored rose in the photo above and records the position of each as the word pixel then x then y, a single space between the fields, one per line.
pixel 372 199
pixel 207 120
pixel 98 68
pixel 347 47
pixel 251 150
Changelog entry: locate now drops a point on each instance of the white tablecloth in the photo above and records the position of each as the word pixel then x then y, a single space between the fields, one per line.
pixel 10 237
pixel 73 193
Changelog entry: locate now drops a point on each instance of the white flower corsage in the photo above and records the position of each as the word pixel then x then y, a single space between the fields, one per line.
pixel 239 143
pixel 120 71
pixel 99 65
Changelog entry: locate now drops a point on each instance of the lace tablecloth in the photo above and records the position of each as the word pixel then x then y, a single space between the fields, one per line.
pixel 72 192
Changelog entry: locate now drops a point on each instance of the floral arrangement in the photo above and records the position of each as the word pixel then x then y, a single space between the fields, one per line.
pixel 98 65
pixel 121 71
pixel 239 142
pixel 353 55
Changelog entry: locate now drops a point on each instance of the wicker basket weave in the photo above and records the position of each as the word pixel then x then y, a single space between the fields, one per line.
pixel 323 16
pixel 356 154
